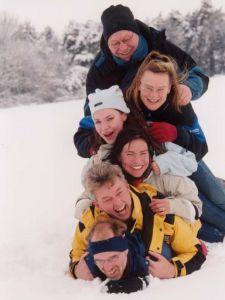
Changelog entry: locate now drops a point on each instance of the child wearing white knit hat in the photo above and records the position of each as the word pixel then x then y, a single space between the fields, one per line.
pixel 108 98
pixel 109 112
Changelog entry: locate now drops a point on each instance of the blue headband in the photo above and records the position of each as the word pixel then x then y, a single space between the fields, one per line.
pixel 116 243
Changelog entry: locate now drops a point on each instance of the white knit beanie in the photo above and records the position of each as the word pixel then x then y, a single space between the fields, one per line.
pixel 108 98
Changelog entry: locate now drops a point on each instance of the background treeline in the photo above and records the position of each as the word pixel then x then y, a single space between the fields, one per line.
pixel 43 67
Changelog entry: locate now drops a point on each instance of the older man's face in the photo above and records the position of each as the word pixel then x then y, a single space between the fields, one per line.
pixel 123 44
pixel 114 199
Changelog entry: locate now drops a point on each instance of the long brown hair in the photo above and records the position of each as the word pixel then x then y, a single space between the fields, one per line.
pixel 156 63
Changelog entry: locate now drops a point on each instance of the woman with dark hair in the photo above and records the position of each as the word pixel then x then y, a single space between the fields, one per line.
pixel 131 151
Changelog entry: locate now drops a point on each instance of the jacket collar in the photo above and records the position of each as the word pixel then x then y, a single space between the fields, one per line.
pixel 139 54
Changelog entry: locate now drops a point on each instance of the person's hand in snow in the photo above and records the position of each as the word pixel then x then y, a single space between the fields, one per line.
pixel 82 271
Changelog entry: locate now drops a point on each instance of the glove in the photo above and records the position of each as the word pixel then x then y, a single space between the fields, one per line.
pixel 163 132
pixel 87 122
pixel 128 285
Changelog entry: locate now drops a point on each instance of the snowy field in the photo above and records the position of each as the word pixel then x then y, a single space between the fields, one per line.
pixel 40 178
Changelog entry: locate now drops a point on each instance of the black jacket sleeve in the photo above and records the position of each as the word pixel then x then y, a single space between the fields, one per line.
pixel 82 142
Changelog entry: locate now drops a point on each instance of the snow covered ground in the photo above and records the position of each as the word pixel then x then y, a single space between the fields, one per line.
pixel 39 180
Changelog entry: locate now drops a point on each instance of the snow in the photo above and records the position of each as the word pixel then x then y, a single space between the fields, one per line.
pixel 40 179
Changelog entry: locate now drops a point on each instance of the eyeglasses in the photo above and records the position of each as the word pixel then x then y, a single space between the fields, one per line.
pixel 149 89
pixel 112 259
pixel 126 41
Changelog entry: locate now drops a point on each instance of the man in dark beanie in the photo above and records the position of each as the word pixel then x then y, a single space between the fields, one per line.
pixel 124 45
pixel 116 18
pixel 115 254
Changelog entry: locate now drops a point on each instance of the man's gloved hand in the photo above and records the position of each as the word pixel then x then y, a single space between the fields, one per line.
pixel 163 132
pixel 128 285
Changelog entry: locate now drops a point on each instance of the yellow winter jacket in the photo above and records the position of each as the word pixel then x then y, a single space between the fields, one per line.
pixel 154 229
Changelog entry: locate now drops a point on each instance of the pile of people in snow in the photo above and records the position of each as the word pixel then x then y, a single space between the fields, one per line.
pixel 149 200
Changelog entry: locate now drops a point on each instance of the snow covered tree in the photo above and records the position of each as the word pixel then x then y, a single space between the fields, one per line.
pixel 26 32
pixel 81 42
pixel 75 80
pixel 31 68
pixel 207 43
pixel 8 26
pixel 82 39
pixel 201 34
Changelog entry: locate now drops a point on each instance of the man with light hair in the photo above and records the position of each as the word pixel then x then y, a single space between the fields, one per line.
pixel 112 196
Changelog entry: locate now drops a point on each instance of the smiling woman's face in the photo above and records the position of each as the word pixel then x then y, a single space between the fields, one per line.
pixel 154 88
pixel 135 157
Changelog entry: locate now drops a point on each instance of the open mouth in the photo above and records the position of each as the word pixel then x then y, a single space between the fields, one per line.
pixel 152 101
pixel 128 53
pixel 112 274
pixel 137 168
pixel 109 136
pixel 121 209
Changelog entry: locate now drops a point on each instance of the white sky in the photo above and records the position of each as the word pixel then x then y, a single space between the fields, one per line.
pixel 57 13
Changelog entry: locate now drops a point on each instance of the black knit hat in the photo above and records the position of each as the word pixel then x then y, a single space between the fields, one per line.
pixel 116 18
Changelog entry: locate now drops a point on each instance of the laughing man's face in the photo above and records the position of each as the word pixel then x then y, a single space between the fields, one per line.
pixel 114 199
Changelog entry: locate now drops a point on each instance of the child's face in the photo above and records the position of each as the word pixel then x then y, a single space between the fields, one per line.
pixel 108 123
pixel 154 88
pixel 135 157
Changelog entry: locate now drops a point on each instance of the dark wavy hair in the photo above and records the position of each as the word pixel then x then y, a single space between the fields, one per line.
pixel 127 135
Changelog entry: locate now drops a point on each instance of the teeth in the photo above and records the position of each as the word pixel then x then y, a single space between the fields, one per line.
pixel 137 167
pixel 125 53
pixel 152 101
pixel 120 209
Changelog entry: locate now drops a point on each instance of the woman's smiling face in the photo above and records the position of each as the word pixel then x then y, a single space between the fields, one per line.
pixel 154 88
pixel 135 157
